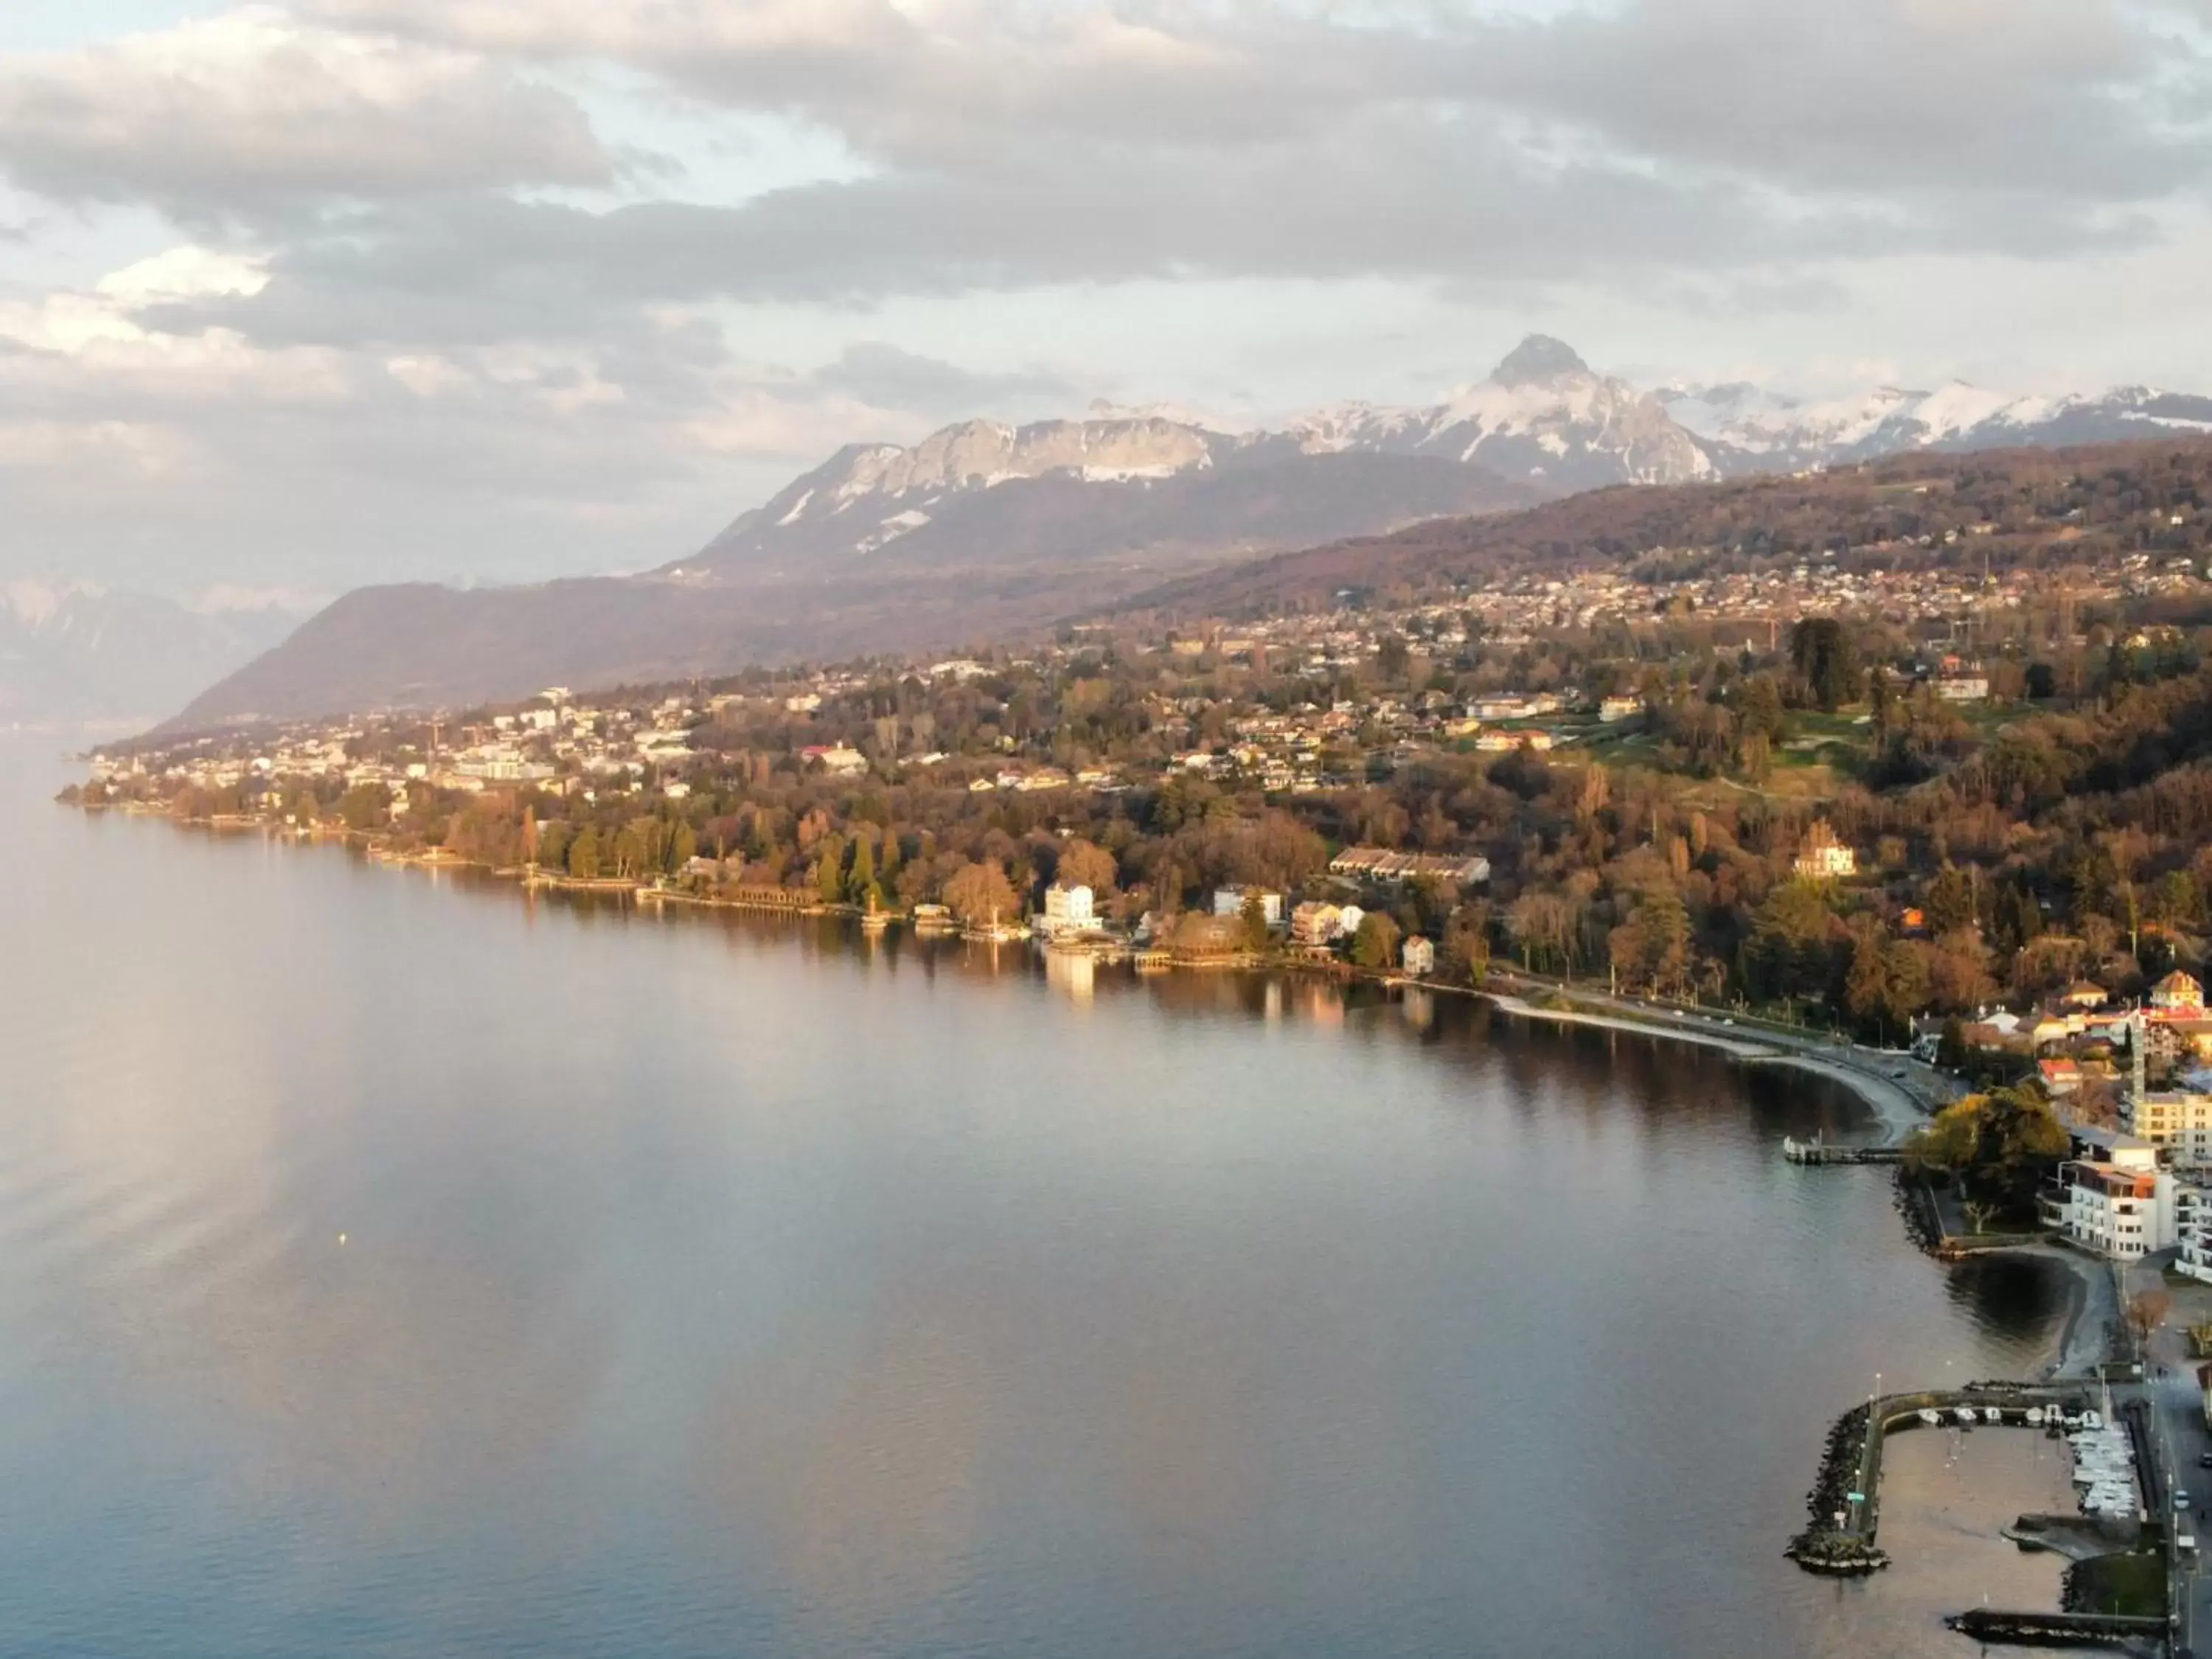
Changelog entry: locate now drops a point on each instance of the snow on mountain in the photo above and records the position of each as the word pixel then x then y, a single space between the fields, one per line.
pixel 1542 418
pixel 1750 428
pixel 1542 415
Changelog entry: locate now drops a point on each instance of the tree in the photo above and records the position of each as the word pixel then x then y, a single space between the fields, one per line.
pixel 1820 650
pixel 1997 1148
pixel 1951 1046
pixel 1254 921
pixel 1758 711
pixel 1949 901
pixel 1652 947
pixel 1866 984
pixel 1375 945
pixel 628 853
pixel 861 884
pixel 2147 1312
pixel 980 893
pixel 584 855
pixel 1085 864
pixel 365 806
pixel 1465 952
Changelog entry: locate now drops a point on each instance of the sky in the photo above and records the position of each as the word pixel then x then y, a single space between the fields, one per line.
pixel 304 295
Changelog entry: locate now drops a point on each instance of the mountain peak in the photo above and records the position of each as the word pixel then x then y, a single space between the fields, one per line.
pixel 1538 359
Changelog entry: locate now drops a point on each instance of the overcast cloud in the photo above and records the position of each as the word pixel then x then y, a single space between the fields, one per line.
pixel 350 289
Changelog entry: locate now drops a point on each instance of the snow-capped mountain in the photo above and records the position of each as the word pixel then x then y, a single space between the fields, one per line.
pixel 74 650
pixel 1748 428
pixel 985 530
pixel 1542 424
pixel 1542 416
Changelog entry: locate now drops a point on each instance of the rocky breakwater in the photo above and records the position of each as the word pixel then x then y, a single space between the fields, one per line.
pixel 1839 1539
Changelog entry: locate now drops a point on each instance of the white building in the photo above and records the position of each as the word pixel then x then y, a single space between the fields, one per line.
pixel 2178 1121
pixel 2194 1226
pixel 1230 901
pixel 1963 688
pixel 1419 955
pixel 1068 911
pixel 2121 1206
pixel 1823 858
pixel 835 758
pixel 1315 922
pixel 1613 709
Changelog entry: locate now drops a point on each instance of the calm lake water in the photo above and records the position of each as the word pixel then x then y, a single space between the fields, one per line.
pixel 392 1266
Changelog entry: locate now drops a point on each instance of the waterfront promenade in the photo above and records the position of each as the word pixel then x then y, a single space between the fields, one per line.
pixel 1900 1091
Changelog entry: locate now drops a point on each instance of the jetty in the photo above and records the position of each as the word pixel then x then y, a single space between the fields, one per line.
pixel 1819 1152
pixel 1844 1505
pixel 2056 1630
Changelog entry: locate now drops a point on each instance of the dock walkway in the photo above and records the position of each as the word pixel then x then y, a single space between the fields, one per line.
pixel 1817 1151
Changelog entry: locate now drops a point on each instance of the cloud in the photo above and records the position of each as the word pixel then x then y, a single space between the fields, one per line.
pixel 416 303
pixel 2103 98
pixel 884 376
pixel 2055 101
pixel 253 112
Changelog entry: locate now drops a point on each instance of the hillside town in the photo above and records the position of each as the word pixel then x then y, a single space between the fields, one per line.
pixel 1954 803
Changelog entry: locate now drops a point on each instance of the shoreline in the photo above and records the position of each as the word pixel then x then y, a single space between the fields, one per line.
pixel 1891 1105
pixel 2082 1341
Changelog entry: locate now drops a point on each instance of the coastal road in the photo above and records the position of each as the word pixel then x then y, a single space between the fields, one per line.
pixel 2178 1433
pixel 1881 1076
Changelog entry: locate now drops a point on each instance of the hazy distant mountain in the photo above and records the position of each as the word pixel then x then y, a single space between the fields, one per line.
pixel 72 651
pixel 977 562
pixel 1752 429
pixel 983 529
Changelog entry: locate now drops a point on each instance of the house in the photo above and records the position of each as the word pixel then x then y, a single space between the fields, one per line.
pixel 1068 911
pixel 1230 901
pixel 2050 1029
pixel 1315 923
pixel 1505 743
pixel 2062 1076
pixel 1613 710
pixel 2178 994
pixel 1823 858
pixel 2083 993
pixel 1380 864
pixel 1419 955
pixel 1963 688
pixel 835 758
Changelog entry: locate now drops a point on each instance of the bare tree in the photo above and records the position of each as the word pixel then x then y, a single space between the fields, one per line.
pixel 2147 1312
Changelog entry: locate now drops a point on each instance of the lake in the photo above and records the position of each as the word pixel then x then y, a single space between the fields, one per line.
pixel 393 1265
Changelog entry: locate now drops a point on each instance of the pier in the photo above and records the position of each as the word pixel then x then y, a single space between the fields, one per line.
pixel 1818 1152
pixel 2056 1630
pixel 1844 1505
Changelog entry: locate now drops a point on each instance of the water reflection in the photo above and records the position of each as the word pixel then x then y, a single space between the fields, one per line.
pixel 737 1284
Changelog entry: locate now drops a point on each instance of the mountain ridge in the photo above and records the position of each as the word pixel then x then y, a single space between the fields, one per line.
pixel 73 651
pixel 987 526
